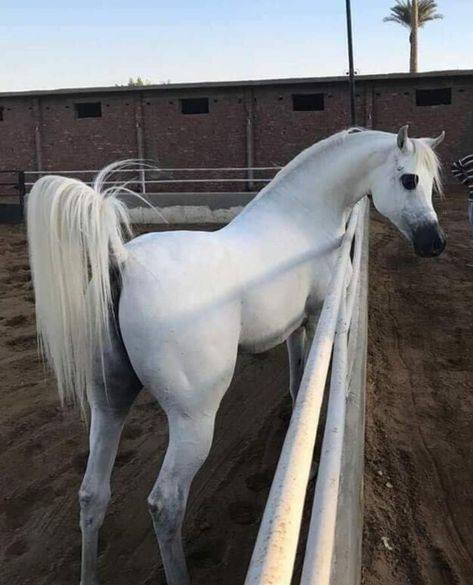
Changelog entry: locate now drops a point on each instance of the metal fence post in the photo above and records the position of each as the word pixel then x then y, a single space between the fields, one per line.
pixel 22 191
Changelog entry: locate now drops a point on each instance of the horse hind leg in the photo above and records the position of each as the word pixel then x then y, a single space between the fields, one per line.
pixel 190 439
pixel 190 403
pixel 110 401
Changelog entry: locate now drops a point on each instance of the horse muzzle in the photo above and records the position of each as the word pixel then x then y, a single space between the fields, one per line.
pixel 429 240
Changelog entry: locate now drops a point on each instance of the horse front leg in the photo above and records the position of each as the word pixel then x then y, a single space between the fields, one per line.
pixel 310 329
pixel 296 345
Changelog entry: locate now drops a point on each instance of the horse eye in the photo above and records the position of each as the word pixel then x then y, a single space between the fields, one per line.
pixel 409 181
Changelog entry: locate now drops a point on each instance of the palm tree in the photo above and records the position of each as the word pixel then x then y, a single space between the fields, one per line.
pixel 413 14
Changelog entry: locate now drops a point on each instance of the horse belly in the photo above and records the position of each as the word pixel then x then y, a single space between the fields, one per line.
pixel 271 314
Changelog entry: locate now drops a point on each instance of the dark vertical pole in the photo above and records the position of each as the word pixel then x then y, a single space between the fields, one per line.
pixel 22 191
pixel 250 139
pixel 140 141
pixel 413 36
pixel 350 62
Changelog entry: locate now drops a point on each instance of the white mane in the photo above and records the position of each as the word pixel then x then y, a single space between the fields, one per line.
pixel 324 146
pixel 425 156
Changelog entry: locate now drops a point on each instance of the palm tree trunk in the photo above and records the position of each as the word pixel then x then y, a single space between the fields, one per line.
pixel 413 36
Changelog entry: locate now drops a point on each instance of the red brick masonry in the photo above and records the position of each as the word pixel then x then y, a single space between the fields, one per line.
pixel 247 122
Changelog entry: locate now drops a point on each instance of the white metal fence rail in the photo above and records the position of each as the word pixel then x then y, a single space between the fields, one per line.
pixel 149 178
pixel 331 556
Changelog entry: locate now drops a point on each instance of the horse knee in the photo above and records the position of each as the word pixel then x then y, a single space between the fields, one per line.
pixel 167 508
pixel 93 505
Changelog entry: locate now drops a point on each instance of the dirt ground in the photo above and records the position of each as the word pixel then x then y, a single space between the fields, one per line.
pixel 419 451
pixel 419 436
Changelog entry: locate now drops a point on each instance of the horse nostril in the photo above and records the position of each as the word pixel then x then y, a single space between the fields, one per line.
pixel 439 245
pixel 429 240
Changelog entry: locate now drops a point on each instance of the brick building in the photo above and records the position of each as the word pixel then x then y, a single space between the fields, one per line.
pixel 235 124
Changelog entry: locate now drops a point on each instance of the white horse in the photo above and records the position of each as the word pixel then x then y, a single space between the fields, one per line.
pixel 170 311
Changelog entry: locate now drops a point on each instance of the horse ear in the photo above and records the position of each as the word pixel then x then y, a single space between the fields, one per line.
pixel 434 142
pixel 403 138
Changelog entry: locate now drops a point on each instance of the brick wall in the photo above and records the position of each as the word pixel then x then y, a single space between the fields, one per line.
pixel 42 131
pixel 17 134
pixel 86 143
pixel 176 140
pixel 395 105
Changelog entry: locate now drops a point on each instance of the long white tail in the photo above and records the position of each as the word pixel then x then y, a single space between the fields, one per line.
pixel 75 236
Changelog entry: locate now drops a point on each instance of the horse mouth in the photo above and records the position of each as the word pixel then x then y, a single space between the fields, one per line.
pixel 429 240
pixel 428 253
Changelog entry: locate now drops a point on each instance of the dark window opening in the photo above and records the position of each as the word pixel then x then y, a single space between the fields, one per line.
pixel 1 113
pixel 434 97
pixel 88 110
pixel 195 106
pixel 307 102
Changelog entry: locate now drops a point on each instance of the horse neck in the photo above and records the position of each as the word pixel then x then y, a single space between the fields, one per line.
pixel 317 192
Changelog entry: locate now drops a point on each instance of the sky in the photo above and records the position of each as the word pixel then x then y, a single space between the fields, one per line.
pixel 53 44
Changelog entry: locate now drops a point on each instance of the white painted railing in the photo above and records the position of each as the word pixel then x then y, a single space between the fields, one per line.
pixel 210 175
pixel 333 547
pixel 213 195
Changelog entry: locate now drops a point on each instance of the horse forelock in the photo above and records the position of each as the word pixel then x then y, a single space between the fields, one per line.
pixel 427 158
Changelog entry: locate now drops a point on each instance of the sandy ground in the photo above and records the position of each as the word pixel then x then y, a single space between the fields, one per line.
pixel 419 436
pixel 420 409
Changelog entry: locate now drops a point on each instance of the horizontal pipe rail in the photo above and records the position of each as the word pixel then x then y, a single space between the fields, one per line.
pixel 356 264
pixel 346 562
pixel 273 557
pixel 146 184
pixel 321 538
pixel 164 181
pixel 156 170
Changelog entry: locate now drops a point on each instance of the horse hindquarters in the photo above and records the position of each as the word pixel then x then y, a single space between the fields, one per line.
pixel 187 366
